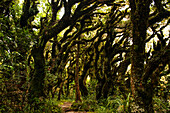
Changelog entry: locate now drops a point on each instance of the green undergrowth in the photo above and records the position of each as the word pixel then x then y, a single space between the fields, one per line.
pixel 113 104
pixel 45 106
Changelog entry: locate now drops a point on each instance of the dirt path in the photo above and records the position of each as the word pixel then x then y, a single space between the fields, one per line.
pixel 66 108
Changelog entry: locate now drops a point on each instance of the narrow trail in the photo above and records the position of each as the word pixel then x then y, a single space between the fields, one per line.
pixel 66 108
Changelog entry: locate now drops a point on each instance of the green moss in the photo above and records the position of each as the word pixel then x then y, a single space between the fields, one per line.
pixel 136 47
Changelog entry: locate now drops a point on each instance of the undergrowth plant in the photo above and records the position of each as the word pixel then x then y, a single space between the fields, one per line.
pixel 160 105
pixel 43 106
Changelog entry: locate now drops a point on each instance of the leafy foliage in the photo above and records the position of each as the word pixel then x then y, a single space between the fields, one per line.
pixel 46 44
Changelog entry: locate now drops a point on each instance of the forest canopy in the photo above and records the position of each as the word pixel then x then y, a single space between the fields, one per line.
pixel 100 55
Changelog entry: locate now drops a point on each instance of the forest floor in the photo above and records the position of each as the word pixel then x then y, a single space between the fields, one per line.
pixel 66 108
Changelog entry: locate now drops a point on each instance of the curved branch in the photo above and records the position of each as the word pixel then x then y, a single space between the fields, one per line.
pixel 162 13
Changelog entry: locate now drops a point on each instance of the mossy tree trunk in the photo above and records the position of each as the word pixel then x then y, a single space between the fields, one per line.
pixel 83 88
pixel 83 77
pixel 99 87
pixel 139 18
pixel 78 96
pixel 50 28
pixel 37 79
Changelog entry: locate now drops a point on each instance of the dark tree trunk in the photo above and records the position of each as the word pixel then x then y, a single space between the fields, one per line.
pixel 99 88
pixel 36 89
pixel 105 90
pixel 67 91
pixel 83 88
pixel 139 18
pixel 86 67
pixel 77 76
pixel 70 79
pixel 60 91
pixel 37 79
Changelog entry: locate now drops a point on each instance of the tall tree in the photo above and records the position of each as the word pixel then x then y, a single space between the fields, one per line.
pixel 140 18
pixel 78 97
pixel 74 10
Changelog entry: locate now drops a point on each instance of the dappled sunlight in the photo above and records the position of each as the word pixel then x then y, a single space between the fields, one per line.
pixel 84 56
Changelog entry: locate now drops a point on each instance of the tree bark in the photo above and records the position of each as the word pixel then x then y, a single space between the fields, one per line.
pixel 99 88
pixel 78 98
pixel 83 88
pixel 60 91
pixel 86 67
pixel 139 18
pixel 37 79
